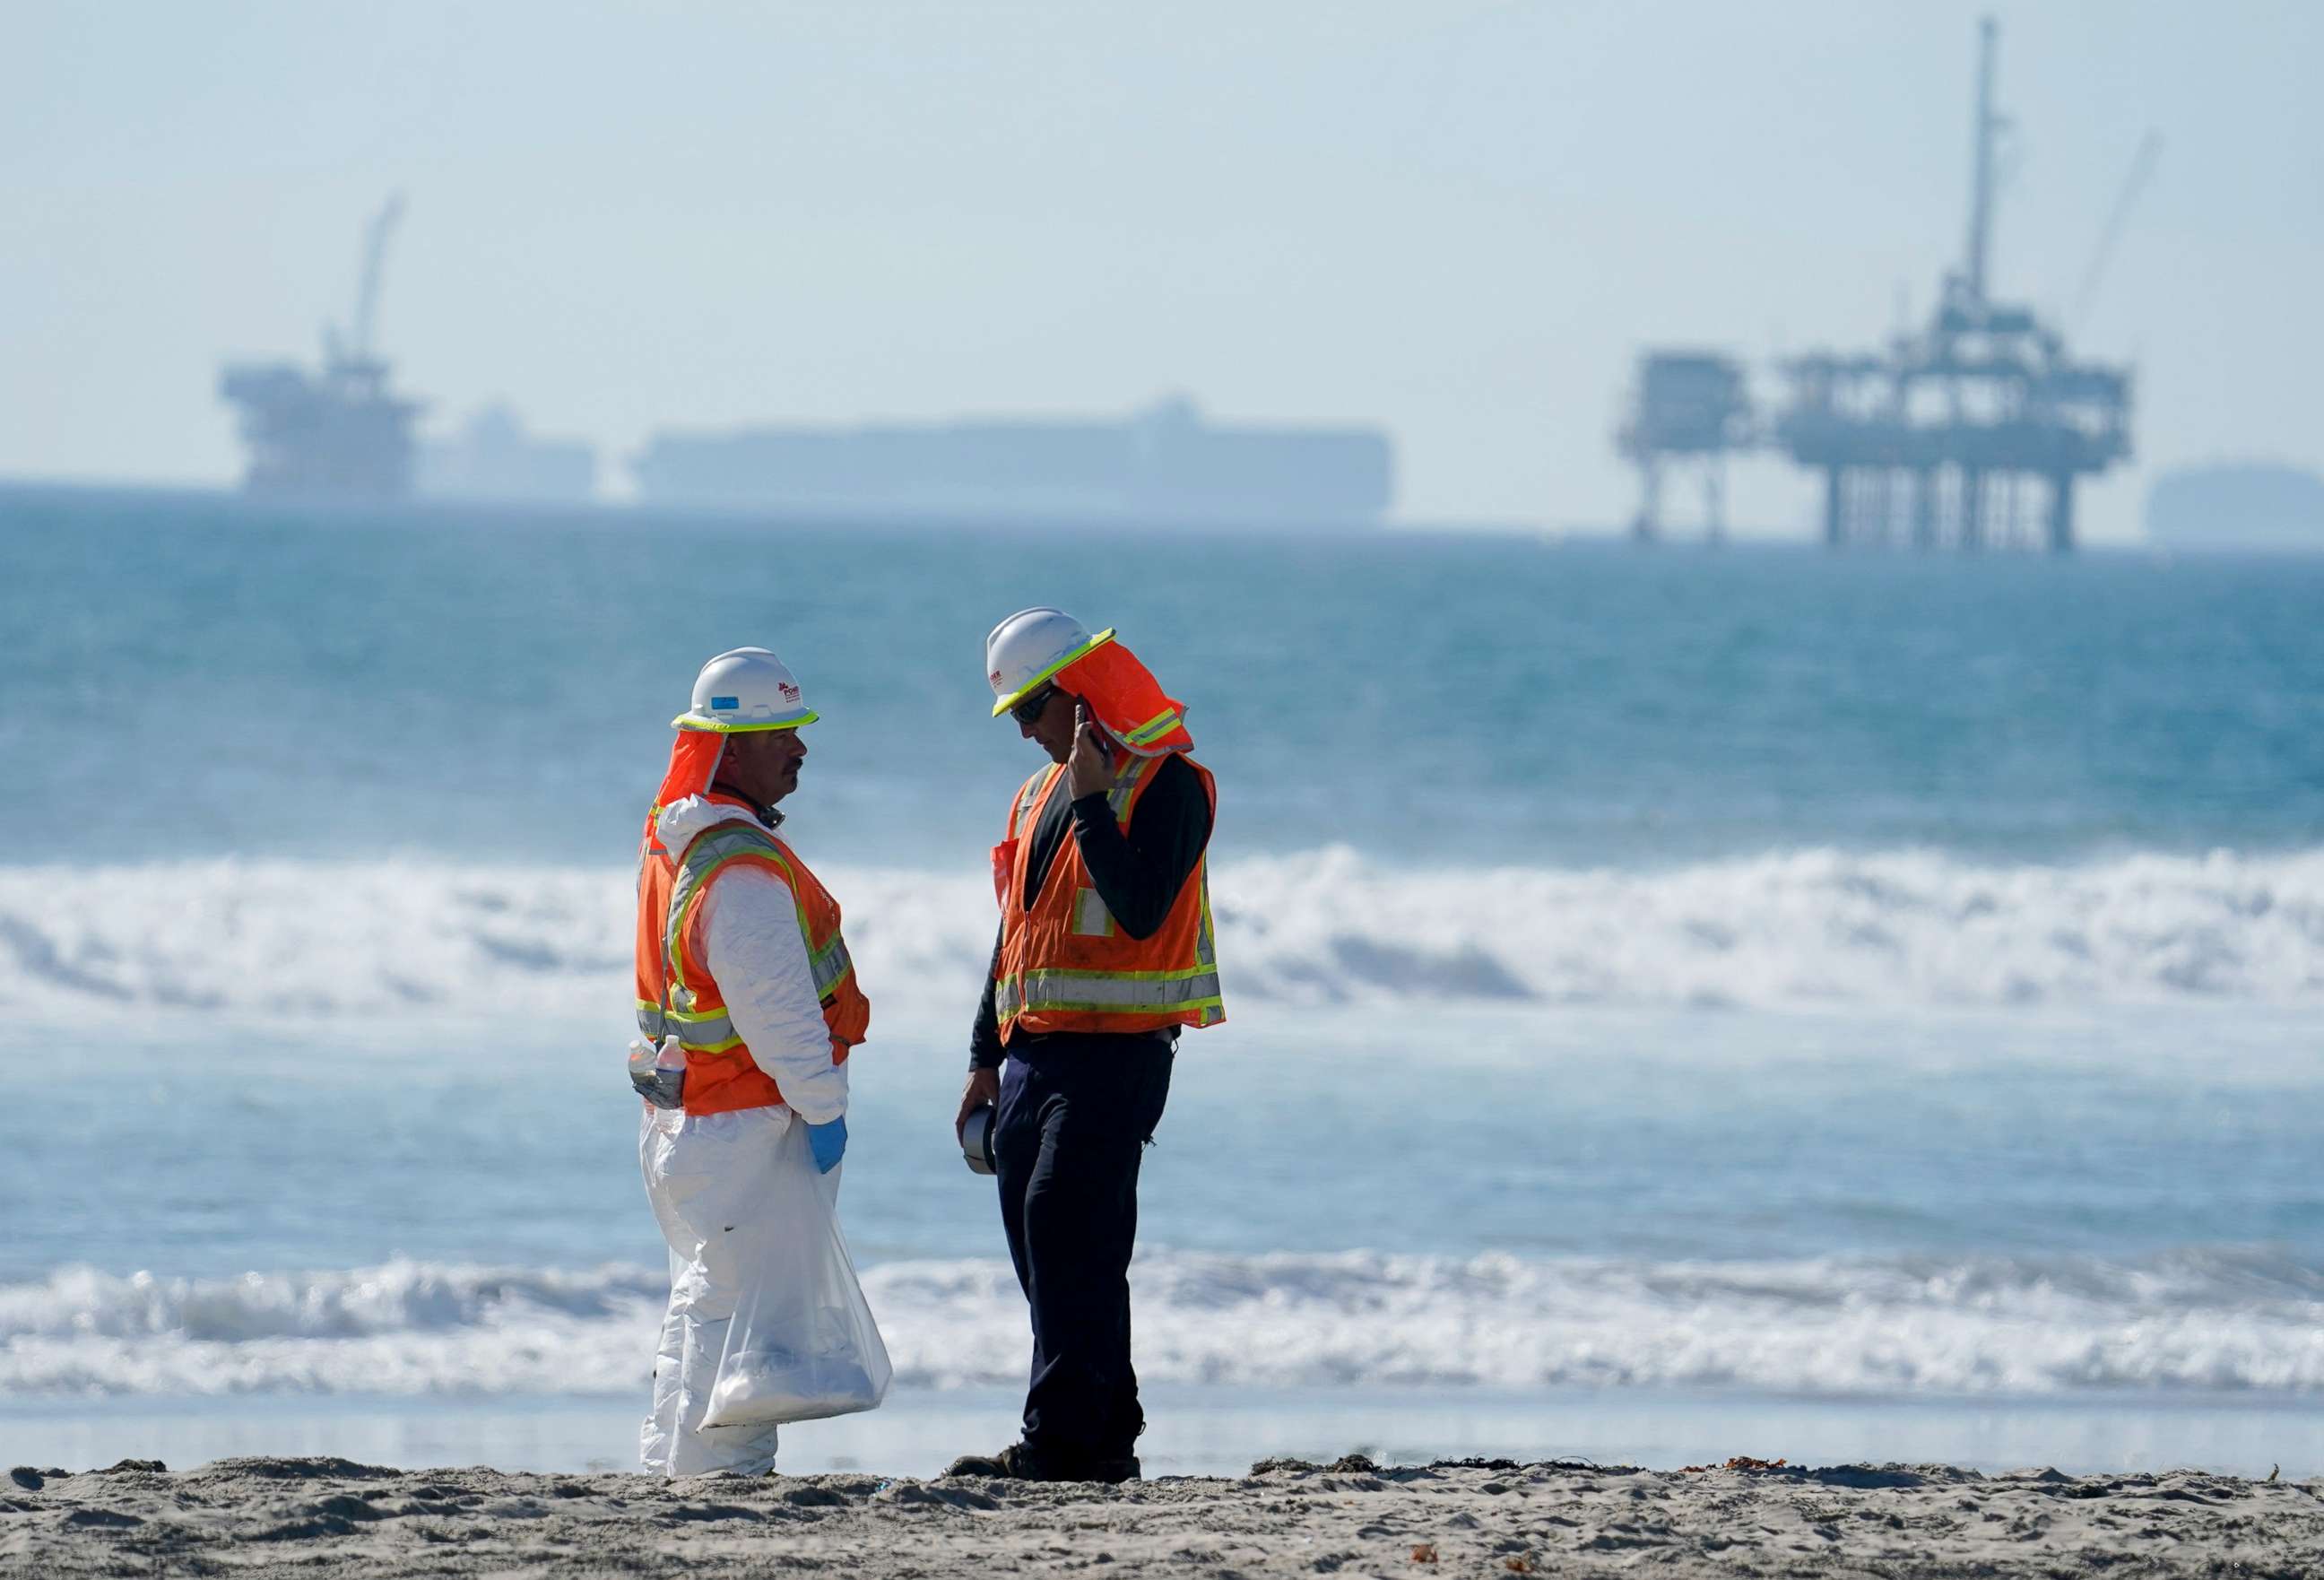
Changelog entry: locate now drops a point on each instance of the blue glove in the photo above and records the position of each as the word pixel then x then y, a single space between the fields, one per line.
pixel 828 1142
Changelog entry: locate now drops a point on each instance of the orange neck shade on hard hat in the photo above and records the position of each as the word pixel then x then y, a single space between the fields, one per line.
pixel 693 764
pixel 1124 696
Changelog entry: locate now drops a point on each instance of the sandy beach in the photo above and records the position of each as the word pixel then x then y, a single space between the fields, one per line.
pixel 331 1517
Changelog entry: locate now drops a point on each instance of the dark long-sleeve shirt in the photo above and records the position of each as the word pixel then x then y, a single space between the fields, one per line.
pixel 1137 875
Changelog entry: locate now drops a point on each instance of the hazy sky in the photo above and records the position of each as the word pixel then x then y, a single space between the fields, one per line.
pixel 1459 220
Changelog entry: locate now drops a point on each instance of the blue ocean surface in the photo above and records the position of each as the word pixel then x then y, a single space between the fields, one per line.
pixel 344 684
pixel 1749 977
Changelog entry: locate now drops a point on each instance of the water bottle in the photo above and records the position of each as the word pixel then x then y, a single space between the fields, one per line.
pixel 658 1073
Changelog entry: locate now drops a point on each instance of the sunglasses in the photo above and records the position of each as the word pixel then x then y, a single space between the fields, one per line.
pixel 1029 708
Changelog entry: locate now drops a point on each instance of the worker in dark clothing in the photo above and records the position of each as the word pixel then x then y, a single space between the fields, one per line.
pixel 1105 954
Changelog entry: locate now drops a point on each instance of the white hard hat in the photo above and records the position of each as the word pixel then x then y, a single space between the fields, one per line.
pixel 749 688
pixel 1031 646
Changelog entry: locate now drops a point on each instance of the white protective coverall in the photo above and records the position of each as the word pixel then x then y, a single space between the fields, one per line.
pixel 705 1172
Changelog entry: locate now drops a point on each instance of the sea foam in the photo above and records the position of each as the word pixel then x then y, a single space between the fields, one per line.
pixel 320 940
pixel 2226 1319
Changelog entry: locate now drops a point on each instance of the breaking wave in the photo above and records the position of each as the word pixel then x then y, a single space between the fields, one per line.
pixel 1817 926
pixel 2241 1321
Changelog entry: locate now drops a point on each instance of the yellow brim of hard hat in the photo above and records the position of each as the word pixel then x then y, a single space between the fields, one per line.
pixel 690 721
pixel 1018 696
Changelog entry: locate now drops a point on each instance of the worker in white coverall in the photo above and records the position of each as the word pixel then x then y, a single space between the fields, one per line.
pixel 741 970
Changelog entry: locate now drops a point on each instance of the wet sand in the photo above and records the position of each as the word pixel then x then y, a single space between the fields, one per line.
pixel 333 1517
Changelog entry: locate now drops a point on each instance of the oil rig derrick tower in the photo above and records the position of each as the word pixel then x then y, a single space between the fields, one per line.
pixel 341 434
pixel 1936 441
pixel 1942 439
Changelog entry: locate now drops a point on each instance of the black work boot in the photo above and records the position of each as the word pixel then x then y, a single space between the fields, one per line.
pixel 1019 1462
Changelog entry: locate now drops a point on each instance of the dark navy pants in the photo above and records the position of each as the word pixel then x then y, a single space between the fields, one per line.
pixel 1076 1110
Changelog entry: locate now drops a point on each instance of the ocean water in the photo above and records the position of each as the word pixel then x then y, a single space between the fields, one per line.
pixel 1680 1003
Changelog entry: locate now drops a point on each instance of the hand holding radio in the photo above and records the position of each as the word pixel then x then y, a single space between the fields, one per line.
pixel 1089 768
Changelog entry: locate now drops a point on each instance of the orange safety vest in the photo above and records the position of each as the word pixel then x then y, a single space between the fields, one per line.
pixel 1064 964
pixel 674 990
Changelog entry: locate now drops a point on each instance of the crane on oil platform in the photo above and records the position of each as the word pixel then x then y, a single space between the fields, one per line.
pixel 339 432
pixel 354 355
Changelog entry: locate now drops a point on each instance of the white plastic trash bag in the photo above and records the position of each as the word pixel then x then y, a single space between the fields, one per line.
pixel 753 1236
pixel 801 1345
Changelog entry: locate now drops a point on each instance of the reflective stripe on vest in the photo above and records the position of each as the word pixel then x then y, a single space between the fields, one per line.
pixel 1161 992
pixel 713 1031
pixel 1028 799
pixel 1117 796
pixel 1125 786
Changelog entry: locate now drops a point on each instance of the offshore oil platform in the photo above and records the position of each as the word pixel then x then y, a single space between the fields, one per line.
pixel 340 433
pixel 1947 438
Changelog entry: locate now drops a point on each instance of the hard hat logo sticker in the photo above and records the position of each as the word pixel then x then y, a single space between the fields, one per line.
pixel 790 692
pixel 725 702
